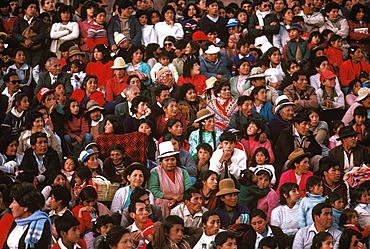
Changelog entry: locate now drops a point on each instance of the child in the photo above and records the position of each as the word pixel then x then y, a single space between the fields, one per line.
pixel 204 153
pixel 299 20
pixel 224 240
pixel 97 34
pixel 353 88
pixel 76 126
pixel 335 199
pixel 53 180
pixel 233 26
pixel 242 16
pixel 360 200
pixel 100 228
pixel 261 159
pixel 243 52
pixel 267 243
pixel 14 122
pixel 212 31
pixel 325 37
pixel 349 220
pixel 146 126
pixel 314 39
pixel 77 70
pixel 69 167
pixel 334 53
pixel 361 123
pixel 231 45
pixel 60 97
pixel 69 234
pixel 261 105
pixel 178 62
pixel 313 197
pixel 163 61
pixel 122 44
pixel 333 140
pixel 147 233
pixel 149 35
pixel 303 54
pixel 83 178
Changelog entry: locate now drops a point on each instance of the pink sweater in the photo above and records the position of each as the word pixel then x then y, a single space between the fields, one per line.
pixel 251 145
pixel 268 203
pixel 77 127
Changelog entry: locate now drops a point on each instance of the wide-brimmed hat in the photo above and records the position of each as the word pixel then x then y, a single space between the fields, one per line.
pixel 93 105
pixel 166 149
pixel 212 49
pixel 134 166
pixel 297 155
pixel 199 36
pixel 346 131
pixel 74 50
pixel 210 82
pixel 85 154
pixel 327 74
pixel 257 72
pixel 43 91
pixel 119 63
pixel 3 36
pixel 227 186
pixel 363 93
pixel 203 115
pixel 119 38
pixel 232 22
pixel 282 101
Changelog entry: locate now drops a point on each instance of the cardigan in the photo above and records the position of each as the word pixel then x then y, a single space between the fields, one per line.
pixel 305 212
pixel 122 196
pixel 290 176
pixel 61 33
pixel 77 127
pixel 286 218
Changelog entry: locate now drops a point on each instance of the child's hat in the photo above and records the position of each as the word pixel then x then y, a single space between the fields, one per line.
pixel 199 36
pixel 296 26
pixel 119 38
pixel 74 50
pixel 43 91
pixel 327 74
pixel 148 227
pixel 233 22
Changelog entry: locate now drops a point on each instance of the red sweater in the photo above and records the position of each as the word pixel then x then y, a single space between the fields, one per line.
pixel 77 127
pixel 289 176
pixel 335 56
pixel 349 71
pixel 103 71
pixel 365 233
pixel 79 94
pixel 81 243
pixel 199 81
pixel 5 224
pixel 114 88
pixel 160 123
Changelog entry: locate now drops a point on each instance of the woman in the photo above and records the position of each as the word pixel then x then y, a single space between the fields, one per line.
pixel 148 33
pixel 115 164
pixel 9 158
pixel 146 126
pixel 363 99
pixel 358 19
pixel 211 227
pixel 228 208
pixel 321 64
pixel 190 23
pixel 87 16
pixel 64 29
pixel 32 227
pixel 170 234
pixel 168 26
pixel 140 110
pixel 88 91
pixel 273 54
pixel 351 239
pixel 333 21
pixel 167 181
pixel 117 237
pixel 281 39
pixel 136 175
pixel 319 128
pixel 323 240
pixel 206 132
pixel 240 83
pixel 298 170
pixel 261 229
pixel 136 79
pixel 170 109
pixel 35 123
pixel 224 106
pixel 189 104
pixel 207 185
pixel 175 128
pixel 89 158
pixel 154 17
pixel 137 55
pixel 191 74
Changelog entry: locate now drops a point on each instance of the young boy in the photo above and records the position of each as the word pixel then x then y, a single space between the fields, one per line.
pixel 361 123
pixel 69 234
pixel 97 34
pixel 297 48
pixel 243 48
pixel 233 26
pixel 164 61
pixel 212 32
pixel 299 20
pixel 178 62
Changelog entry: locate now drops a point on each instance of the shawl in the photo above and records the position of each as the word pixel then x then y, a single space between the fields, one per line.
pixel 36 226
pixel 222 114
pixel 212 200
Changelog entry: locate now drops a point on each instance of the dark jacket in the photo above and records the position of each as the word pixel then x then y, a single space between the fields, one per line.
pixel 134 29
pixel 222 67
pixel 240 122
pixel 359 153
pixel 249 238
pixel 340 187
pixel 21 24
pixel 268 30
pixel 225 218
pixel 291 49
pixel 63 77
pixel 277 124
pixel 221 23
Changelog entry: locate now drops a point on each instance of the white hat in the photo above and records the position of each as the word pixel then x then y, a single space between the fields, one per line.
pixel 282 101
pixel 210 82
pixel 363 93
pixel 119 63
pixel 275 75
pixel 212 49
pixel 119 38
pixel 257 72
pixel 166 149
pixel 85 153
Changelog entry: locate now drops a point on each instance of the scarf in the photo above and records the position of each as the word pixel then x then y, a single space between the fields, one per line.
pixel 36 226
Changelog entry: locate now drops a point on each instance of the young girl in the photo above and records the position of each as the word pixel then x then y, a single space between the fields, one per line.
pixel 314 39
pixel 53 180
pixel 135 78
pixel 334 53
pixel 313 197
pixel 360 199
pixel 261 160
pixel 349 220
pixel 175 127
pixel 360 122
pixel 99 229
pixel 271 200
pixel 97 34
pixel 76 127
pixel 261 105
pixel 336 126
pixel 69 167
pixel 77 70
pixel 14 121
pixel 83 178
pixel 204 153
pixel 322 240
pixel 225 240
pixel 146 126
pixel 335 199
pixel 163 61
pixel 353 88
pixel 148 33
pixel 118 235
pixel 60 97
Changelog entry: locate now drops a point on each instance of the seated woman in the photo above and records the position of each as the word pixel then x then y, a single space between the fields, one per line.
pixel 261 229
pixel 321 64
pixel 115 164
pixel 320 129
pixel 88 91
pixel 9 158
pixel 240 83
pixel 191 74
pixel 136 175
pixel 208 188
pixel 167 181
pixel 211 227
pixel 261 105
pixel 146 126
pixel 140 110
pixel 228 208
pixel 174 127
pixel 89 158
pixel 137 53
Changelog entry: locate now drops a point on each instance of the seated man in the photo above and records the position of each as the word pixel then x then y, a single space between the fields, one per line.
pixel 139 213
pixel 191 210
pixel 96 118
pixel 7 97
pixel 123 110
pixel 215 63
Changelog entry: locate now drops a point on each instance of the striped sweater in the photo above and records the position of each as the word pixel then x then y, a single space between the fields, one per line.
pixel 96 34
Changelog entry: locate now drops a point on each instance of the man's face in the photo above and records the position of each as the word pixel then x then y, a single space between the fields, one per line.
pixel 247 108
pixel 95 115
pixel 49 5
pixel 164 95
pixel 13 84
pixel 135 91
pixel 265 6
pixel 211 57
pixel 4 11
pixel 325 219
pixel 333 174
pixel 350 142
pixel 141 214
pixel 54 67
pixel 308 7
pixel 301 84
pixel 302 128
pixel 318 4
pixel 228 146
pixel 41 146
pixel 195 203
pixel 258 82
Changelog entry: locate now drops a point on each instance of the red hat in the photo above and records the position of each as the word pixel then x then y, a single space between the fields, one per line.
pixel 327 74
pixel 199 36
pixel 43 91
pixel 148 227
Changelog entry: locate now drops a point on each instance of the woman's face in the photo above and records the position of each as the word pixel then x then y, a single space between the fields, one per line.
pixel 50 102
pixel 212 225
pixel 230 200
pixel 89 202
pixel 323 66
pixel 293 195
pixel 65 16
pixel 137 56
pixel 98 55
pixel 275 57
pixel 302 167
pixel 348 5
pixel 136 178
pixel 91 85
pixel 293 68
pixel 242 17
pixel 287 113
pixel 145 128
pixel 244 69
pixel 124 243
pixel 75 108
pixel 92 163
pixel 116 156
pixel 155 18
pixel 195 70
pixel 169 163
pixel 59 180
pixel 143 20
pixel 38 125
pixel 142 108
pixel 288 15
pixel 176 233
pixel 333 14
pixel 296 10
pixel 135 81
pixel 328 243
pixel 261 95
pixel 108 128
pixel 176 129
pixel 259 225
pixel 357 56
pixel 191 95
pixel 90 12
pixel 192 11
pixel 59 90
pixel 11 149
pixel 211 181
pixel 171 109
pixel 315 119
pixel 225 92
pixel 188 49
pixel 18 211
pixel 209 125
pixel 169 16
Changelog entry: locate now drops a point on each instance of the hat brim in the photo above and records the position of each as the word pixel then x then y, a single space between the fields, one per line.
pixel 359 98
pixel 84 161
pixel 3 36
pixel 167 154
pixel 261 75
pixel 204 117
pixel 300 157
pixel 50 90
pixel 95 107
pixel 355 133
pixel 227 191
pixel 282 105
pixel 78 53
pixel 113 67
pixel 231 25
pixel 214 50
pixel 135 166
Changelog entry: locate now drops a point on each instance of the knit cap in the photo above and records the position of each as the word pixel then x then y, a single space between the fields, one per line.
pixel 148 227
pixel 162 72
pixel 244 218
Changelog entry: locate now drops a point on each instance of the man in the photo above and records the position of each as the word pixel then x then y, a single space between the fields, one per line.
pixel 312 20
pixel 96 117
pixel 161 93
pixel 119 81
pixel 7 96
pixel 139 213
pixel 215 63
pixel 332 180
pixel 322 216
pixel 263 25
pixel 258 78
pixel 191 211
pixel 48 6
pixel 349 154
pixel 123 110
pixel 155 213
pixel 40 159
pixel 241 119
pixel 300 93
pixel 317 4
pixel 54 75
pixel 297 136
pixel 6 18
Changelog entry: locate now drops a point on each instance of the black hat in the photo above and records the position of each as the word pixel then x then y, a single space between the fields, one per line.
pixel 346 131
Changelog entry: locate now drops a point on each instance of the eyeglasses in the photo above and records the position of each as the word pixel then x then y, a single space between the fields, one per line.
pixel 15 82
pixel 170 44
pixel 266 6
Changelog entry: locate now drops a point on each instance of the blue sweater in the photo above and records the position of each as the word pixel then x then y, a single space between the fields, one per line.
pixel 266 111
pixel 336 216
pixel 306 206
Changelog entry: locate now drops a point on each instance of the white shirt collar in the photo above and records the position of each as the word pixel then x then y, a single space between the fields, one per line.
pixel 62 246
pixel 29 21
pixel 134 228
pixel 187 212
pixel 95 123
pixel 312 228
pixel 6 93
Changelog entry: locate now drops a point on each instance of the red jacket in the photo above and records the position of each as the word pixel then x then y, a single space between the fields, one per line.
pixel 349 71
pixel 335 56
pixel 79 94
pixel 102 71
pixel 356 38
pixel 289 176
pixel 199 81
pixel 115 88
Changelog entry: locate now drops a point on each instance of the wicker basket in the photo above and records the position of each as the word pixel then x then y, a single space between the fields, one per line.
pixel 106 189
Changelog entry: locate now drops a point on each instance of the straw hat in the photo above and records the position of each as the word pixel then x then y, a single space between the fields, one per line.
pixel 203 115
pixel 297 155
pixel 210 82
pixel 227 186
pixel 119 63
pixel 166 149
pixel 257 72
pixel 135 166
pixel 93 105
pixel 363 93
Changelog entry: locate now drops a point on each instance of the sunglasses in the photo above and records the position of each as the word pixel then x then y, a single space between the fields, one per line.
pixel 15 82
pixel 168 44
pixel 16 4
pixel 266 6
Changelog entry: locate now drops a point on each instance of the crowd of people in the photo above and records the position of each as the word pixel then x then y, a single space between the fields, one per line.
pixel 199 125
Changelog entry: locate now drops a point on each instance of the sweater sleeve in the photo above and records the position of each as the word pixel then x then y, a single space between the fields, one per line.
pixel 154 184
pixel 84 127
pixel 302 213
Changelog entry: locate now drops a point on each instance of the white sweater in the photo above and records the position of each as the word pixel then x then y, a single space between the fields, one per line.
pixel 60 33
pixel 286 218
pixel 163 30
pixel 149 35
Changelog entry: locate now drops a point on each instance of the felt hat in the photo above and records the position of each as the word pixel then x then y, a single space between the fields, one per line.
pixel 257 72
pixel 93 105
pixel 85 154
pixel 363 93
pixel 203 115
pixel 199 36
pixel 134 166
pixel 74 50
pixel 119 63
pixel 297 155
pixel 43 91
pixel 327 74
pixel 212 49
pixel 282 101
pixel 346 131
pixel 210 82
pixel 227 186
pixel 166 149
